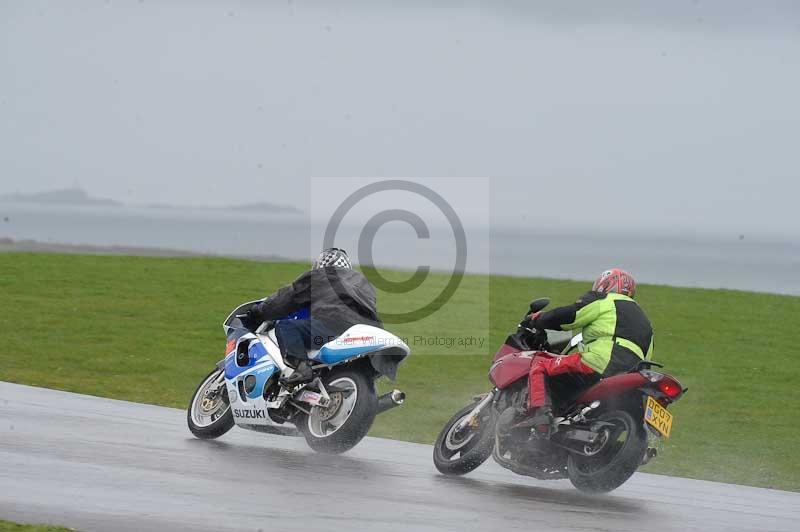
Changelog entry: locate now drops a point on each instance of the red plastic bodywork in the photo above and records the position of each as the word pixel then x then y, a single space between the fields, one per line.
pixel 613 386
pixel 511 365
pixel 510 368
pixel 504 350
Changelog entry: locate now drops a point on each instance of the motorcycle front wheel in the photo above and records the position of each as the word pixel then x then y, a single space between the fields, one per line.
pixel 347 419
pixel 459 451
pixel 209 414
pixel 612 460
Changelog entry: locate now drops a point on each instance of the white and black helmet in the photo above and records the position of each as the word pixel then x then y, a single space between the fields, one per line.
pixel 332 258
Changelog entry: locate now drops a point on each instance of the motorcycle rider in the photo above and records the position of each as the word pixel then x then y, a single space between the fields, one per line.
pixel 337 296
pixel 617 335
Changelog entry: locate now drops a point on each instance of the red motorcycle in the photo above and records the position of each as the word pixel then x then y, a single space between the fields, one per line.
pixel 602 428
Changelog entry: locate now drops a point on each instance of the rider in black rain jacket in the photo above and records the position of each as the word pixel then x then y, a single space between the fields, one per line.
pixel 337 296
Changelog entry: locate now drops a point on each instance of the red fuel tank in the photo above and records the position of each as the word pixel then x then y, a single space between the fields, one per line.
pixel 510 368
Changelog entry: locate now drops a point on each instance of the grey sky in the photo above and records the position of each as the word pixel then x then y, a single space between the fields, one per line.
pixel 685 113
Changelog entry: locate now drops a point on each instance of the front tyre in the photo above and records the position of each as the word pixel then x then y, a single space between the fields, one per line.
pixel 347 419
pixel 457 452
pixel 209 414
pixel 613 459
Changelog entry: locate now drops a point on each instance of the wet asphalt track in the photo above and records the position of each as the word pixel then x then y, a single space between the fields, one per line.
pixel 99 464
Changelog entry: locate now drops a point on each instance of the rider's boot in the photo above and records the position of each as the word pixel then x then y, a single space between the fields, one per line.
pixel 302 373
pixel 540 421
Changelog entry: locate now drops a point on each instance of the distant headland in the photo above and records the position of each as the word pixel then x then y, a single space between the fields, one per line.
pixel 79 197
pixel 63 196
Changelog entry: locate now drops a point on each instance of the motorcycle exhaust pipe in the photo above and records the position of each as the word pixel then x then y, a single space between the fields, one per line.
pixel 390 400
pixel 649 454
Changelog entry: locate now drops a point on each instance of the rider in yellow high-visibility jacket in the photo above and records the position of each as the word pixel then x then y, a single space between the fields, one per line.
pixel 617 335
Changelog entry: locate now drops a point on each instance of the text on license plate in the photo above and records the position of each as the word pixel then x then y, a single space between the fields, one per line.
pixel 658 417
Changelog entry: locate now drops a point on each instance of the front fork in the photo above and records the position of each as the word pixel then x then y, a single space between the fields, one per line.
pixel 217 386
pixel 472 418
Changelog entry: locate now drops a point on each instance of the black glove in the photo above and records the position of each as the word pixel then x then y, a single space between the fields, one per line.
pixel 529 321
pixel 253 318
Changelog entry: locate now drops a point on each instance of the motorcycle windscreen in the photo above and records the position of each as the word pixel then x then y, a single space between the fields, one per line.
pixel 504 350
pixel 513 344
pixel 232 322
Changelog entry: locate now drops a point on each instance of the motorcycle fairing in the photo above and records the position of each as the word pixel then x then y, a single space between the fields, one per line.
pixel 255 350
pixel 613 386
pixel 506 349
pixel 265 360
pixel 510 368
pixel 357 341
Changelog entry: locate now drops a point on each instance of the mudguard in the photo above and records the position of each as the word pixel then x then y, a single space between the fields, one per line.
pixel 387 361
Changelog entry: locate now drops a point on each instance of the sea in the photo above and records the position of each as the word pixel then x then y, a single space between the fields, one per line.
pixel 735 262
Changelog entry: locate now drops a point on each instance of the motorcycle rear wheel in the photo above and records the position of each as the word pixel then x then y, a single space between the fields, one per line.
pixel 615 460
pixel 341 426
pixel 459 452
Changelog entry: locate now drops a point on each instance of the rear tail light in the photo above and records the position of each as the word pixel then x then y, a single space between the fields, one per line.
pixel 670 387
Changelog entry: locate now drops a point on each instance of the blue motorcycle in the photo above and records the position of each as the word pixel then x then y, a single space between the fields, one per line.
pixel 334 411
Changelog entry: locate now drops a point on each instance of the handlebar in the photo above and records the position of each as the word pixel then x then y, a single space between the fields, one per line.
pixel 265 325
pixel 532 337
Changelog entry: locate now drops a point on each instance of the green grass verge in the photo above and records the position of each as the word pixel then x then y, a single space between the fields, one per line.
pixel 147 329
pixel 8 526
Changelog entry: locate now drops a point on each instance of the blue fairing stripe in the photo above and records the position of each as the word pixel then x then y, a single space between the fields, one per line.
pixel 256 352
pixel 231 369
pixel 332 356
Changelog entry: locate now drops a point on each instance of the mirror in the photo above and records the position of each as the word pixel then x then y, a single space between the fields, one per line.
pixel 539 304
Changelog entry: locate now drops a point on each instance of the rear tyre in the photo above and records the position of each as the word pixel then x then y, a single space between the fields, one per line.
pixel 614 459
pixel 209 414
pixel 457 452
pixel 345 422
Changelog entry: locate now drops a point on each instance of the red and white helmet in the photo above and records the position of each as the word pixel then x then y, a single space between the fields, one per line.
pixel 615 280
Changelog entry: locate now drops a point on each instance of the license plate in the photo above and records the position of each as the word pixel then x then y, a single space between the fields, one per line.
pixel 658 417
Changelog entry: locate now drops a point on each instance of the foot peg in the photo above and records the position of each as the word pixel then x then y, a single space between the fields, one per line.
pixel 301 374
pixel 541 423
